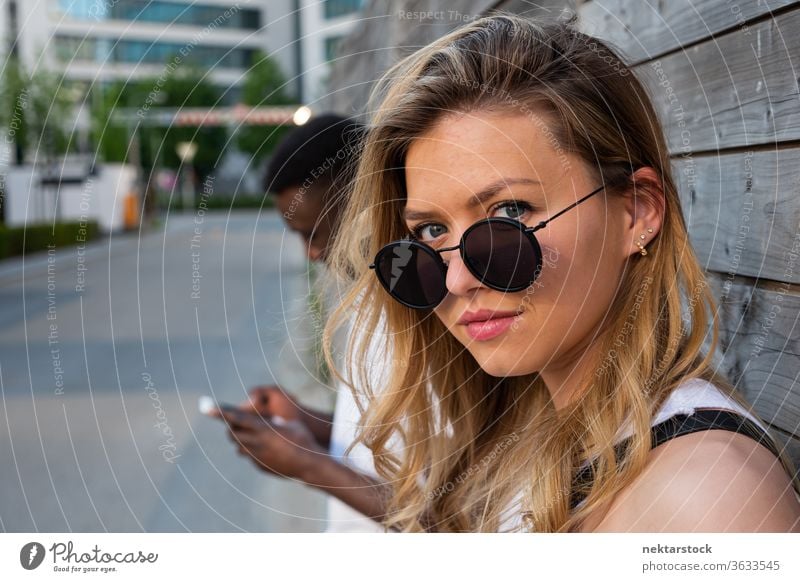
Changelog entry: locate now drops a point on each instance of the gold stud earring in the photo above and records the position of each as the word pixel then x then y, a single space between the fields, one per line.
pixel 642 250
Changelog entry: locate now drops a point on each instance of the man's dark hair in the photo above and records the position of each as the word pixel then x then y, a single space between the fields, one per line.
pixel 323 150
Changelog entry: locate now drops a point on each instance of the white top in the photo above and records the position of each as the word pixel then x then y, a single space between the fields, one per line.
pixel 346 416
pixel 342 517
pixel 684 399
pixel 691 394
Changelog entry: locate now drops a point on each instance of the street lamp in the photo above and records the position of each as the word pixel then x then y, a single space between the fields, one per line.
pixel 301 115
pixel 186 151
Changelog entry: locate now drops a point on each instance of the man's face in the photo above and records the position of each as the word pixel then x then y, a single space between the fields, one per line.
pixel 304 212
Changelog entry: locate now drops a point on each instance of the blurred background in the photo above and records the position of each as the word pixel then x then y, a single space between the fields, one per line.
pixel 142 265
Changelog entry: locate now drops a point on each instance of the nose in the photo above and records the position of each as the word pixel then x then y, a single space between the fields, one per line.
pixel 459 279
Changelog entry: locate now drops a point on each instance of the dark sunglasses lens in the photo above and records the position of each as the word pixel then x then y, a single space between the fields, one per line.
pixel 502 255
pixel 411 274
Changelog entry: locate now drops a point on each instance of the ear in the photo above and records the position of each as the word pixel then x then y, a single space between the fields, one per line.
pixel 644 205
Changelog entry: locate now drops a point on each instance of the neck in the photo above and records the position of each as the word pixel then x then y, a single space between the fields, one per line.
pixel 565 379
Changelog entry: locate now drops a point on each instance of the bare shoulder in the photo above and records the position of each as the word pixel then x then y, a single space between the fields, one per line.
pixel 708 481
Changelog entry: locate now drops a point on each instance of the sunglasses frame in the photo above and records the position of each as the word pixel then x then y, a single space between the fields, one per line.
pixel 436 253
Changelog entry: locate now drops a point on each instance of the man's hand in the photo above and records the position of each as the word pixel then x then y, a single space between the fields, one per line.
pixel 292 445
pixel 271 400
pixel 285 448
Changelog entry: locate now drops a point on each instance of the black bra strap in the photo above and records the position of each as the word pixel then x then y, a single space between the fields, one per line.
pixel 678 425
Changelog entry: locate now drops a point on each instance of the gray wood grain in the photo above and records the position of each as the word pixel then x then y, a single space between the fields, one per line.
pixel 743 211
pixel 791 446
pixel 645 30
pixel 760 346
pixel 738 90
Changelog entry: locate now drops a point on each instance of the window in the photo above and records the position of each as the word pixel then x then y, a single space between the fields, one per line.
pixel 336 8
pixel 332 47
pixel 167 12
pixel 70 48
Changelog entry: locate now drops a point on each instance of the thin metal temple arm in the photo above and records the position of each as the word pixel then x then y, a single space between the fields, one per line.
pixel 543 223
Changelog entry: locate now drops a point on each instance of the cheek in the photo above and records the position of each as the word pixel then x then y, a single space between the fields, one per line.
pixel 447 313
pixel 575 266
pixel 582 287
pixel 572 286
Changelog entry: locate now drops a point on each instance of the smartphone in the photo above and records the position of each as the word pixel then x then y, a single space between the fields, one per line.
pixel 206 405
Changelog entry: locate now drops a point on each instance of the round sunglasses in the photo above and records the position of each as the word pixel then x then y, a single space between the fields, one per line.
pixel 502 253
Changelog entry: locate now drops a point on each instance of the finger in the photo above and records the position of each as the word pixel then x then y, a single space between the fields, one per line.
pixel 250 407
pixel 260 394
pixel 242 420
pixel 255 403
pixel 249 440
pixel 260 400
pixel 245 441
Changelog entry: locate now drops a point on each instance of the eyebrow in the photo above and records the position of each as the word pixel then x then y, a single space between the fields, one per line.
pixel 477 199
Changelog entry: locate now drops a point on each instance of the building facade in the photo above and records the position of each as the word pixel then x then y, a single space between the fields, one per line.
pixel 323 25
pixel 97 41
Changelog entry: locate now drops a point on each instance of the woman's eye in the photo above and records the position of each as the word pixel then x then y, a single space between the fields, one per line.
pixel 514 210
pixel 428 231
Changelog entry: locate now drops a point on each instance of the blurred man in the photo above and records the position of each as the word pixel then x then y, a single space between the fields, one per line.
pixel 309 174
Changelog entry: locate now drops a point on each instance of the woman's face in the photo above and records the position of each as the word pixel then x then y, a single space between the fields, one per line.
pixel 512 163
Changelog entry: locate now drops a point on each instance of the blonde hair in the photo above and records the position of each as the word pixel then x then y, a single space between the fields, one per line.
pixel 468 443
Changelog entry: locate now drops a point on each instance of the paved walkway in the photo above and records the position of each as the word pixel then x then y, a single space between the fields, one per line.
pixel 99 345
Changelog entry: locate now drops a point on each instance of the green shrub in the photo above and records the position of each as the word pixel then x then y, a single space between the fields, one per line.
pixel 18 240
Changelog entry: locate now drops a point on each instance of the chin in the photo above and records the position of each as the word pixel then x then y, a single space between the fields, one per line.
pixel 502 367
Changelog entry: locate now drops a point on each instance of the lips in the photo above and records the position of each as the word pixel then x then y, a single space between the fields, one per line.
pixel 485 325
pixel 485 315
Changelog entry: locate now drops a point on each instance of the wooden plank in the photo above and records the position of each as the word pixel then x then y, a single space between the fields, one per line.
pixel 644 30
pixel 734 91
pixel 760 346
pixel 743 212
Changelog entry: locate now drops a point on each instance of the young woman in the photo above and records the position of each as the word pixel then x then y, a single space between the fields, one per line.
pixel 516 226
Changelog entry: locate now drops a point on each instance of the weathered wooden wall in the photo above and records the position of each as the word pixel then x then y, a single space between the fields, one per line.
pixel 722 74
pixel 727 70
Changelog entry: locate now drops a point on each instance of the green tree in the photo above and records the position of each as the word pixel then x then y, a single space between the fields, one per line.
pixel 51 109
pixel 263 85
pixel 37 106
pixel 189 89
pixel 185 87
pixel 111 139
pixel 13 89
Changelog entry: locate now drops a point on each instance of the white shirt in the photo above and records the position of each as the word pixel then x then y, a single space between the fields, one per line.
pixel 346 417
